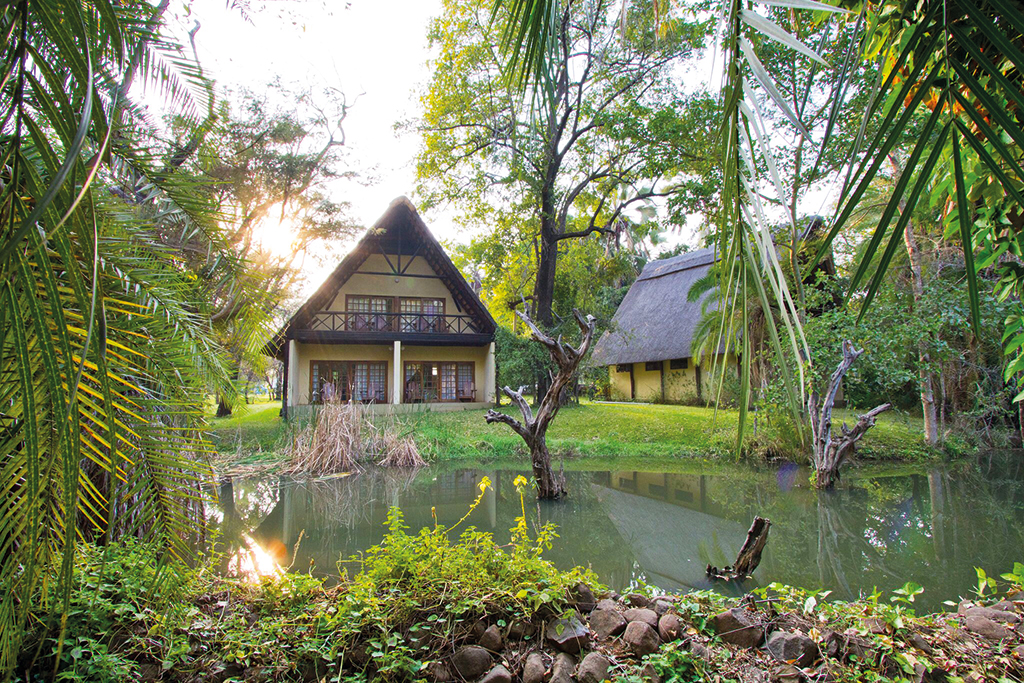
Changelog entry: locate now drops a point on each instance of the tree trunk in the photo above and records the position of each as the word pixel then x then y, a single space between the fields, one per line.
pixel 533 428
pixel 830 452
pixel 925 377
pixel 749 556
pixel 544 284
pixel 223 409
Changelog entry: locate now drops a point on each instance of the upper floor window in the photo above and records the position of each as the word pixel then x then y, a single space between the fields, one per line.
pixel 421 314
pixel 371 312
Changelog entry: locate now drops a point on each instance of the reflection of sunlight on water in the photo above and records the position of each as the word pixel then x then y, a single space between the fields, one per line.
pixel 252 562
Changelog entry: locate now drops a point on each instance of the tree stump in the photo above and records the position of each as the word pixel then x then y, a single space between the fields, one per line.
pixel 831 451
pixel 533 428
pixel 749 556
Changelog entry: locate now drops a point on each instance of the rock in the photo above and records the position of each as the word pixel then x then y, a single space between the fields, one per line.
pixel 498 674
pixel 593 669
pixel 787 673
pixel 607 622
pixel 736 626
pixel 849 645
pixel 641 638
pixel 648 616
pixel 568 635
pixel 661 606
pixel 792 648
pixel 520 629
pixel 534 669
pixel 439 673
pixel 700 650
pixel 471 661
pixel 614 596
pixel 987 628
pixel 650 674
pixel 993 614
pixel 1019 652
pixel 1006 606
pixel 491 639
pixel 918 641
pixel 636 600
pixel 669 627
pixel 875 625
pixel 607 604
pixel 478 629
pixel 583 598
pixel 561 670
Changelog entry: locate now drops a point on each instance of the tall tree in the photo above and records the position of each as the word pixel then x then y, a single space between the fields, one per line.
pixel 575 161
pixel 265 169
pixel 958 64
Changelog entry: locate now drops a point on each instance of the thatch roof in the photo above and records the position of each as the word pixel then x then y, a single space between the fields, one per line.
pixel 399 230
pixel 655 321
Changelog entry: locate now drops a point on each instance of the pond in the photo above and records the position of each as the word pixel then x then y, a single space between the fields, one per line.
pixel 880 529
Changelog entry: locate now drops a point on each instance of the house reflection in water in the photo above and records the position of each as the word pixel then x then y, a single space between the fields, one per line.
pixel 672 528
pixel 626 526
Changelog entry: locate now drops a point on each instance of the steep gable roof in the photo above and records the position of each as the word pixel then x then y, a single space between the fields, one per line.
pixel 399 230
pixel 656 321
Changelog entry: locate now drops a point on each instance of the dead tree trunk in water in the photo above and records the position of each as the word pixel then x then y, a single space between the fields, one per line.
pixel 749 556
pixel 830 451
pixel 534 428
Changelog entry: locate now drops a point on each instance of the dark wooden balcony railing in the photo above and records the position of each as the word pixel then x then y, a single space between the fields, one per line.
pixel 415 323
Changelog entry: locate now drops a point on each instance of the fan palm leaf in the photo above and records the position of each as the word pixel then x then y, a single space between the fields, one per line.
pixel 104 337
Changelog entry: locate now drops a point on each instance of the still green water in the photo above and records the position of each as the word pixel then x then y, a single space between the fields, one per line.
pixel 880 529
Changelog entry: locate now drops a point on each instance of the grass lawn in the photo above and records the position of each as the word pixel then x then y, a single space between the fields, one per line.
pixel 591 430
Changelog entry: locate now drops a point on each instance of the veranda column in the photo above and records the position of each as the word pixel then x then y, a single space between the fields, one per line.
pixel 396 375
pixel 490 377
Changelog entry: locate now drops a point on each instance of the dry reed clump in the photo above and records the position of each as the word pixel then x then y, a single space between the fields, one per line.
pixel 341 437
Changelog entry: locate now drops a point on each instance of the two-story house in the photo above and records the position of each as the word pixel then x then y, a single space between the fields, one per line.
pixel 396 323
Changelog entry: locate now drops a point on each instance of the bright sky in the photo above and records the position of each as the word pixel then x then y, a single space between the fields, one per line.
pixel 376 50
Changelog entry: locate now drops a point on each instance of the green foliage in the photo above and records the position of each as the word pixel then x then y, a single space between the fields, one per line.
pixel 413 596
pixel 519 359
pixel 105 337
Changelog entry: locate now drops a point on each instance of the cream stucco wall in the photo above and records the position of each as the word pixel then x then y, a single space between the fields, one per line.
pixel 621 388
pixel 386 285
pixel 679 385
pixel 646 383
pixel 481 356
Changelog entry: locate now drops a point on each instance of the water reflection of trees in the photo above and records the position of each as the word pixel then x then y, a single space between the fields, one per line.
pixel 877 530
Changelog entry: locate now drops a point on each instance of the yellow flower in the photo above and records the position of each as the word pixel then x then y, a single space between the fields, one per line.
pixel 520 482
pixel 484 484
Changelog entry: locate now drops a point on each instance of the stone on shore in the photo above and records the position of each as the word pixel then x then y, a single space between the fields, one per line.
pixel 737 627
pixel 471 661
pixel 568 634
pixel 669 627
pixel 986 628
pixel 637 600
pixel 792 648
pixel 648 616
pixel 498 674
pixel 491 639
pixel 993 614
pixel 641 638
pixel 593 669
pixel 606 623
pixel 561 670
pixel 583 598
pixel 534 669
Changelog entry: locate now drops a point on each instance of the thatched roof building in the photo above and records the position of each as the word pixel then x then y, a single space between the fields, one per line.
pixel 652 332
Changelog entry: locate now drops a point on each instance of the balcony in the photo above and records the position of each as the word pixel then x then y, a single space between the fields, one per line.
pixel 416 328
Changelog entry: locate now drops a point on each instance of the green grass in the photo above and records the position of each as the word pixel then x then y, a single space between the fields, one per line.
pixel 592 430
pixel 252 434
